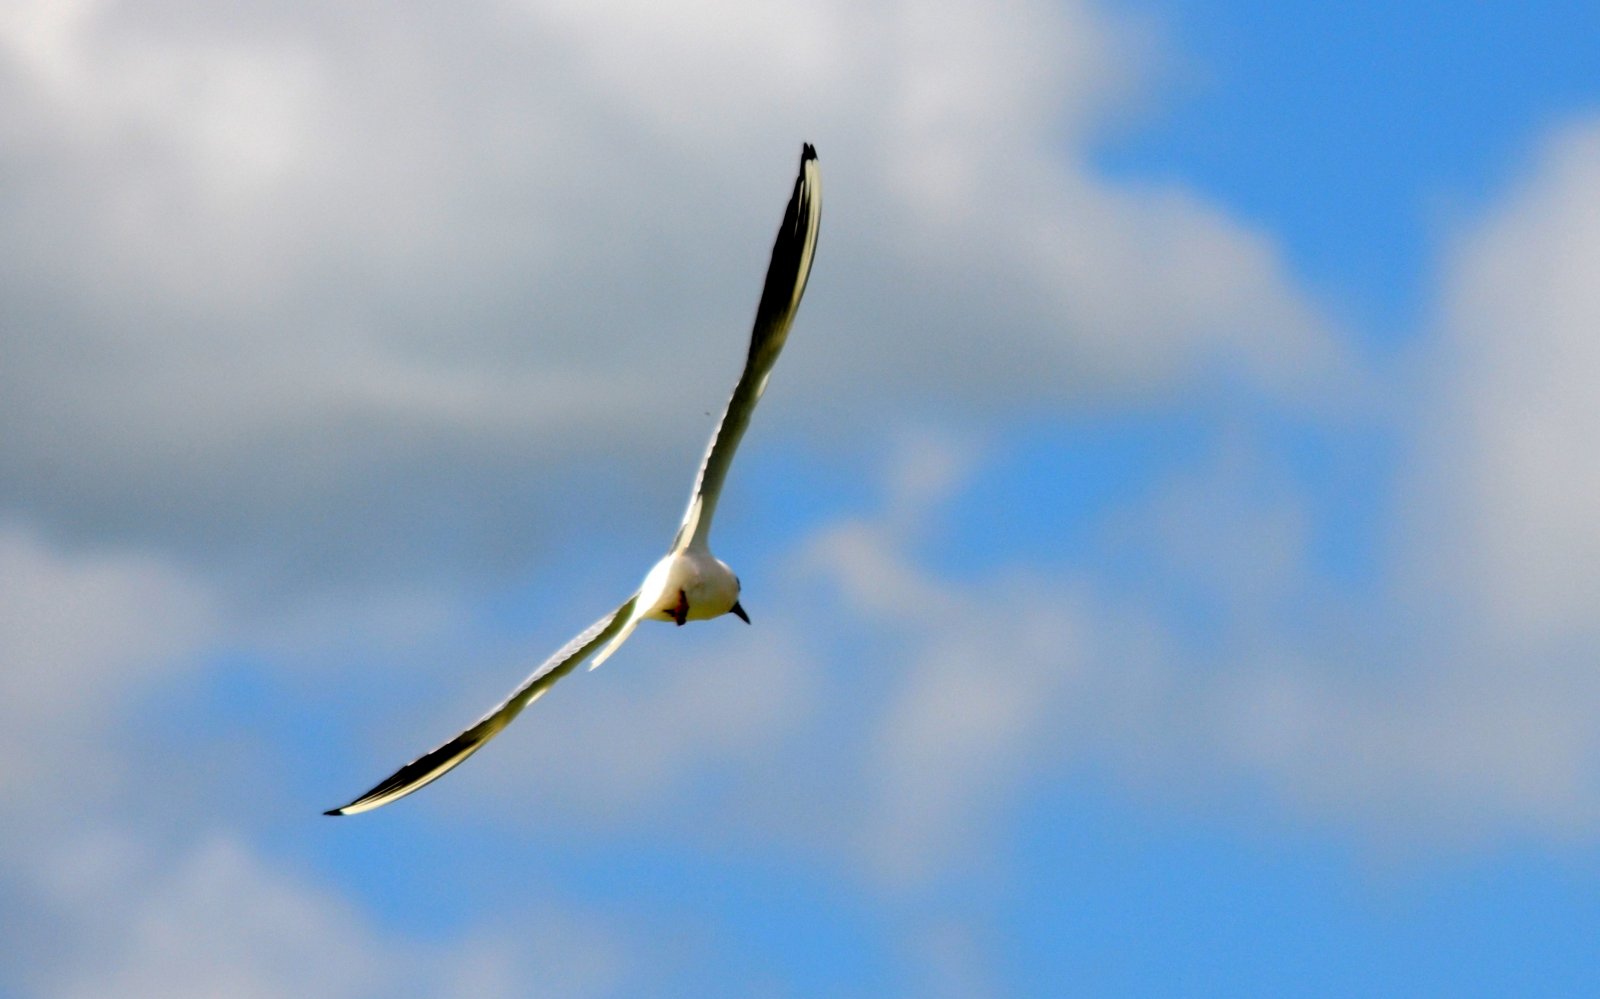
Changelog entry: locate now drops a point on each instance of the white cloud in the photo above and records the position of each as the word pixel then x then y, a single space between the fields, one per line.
pixel 1382 714
pixel 1462 754
pixel 967 676
pixel 1455 705
pixel 214 918
pixel 117 885
pixel 1514 443
pixel 81 636
pixel 219 923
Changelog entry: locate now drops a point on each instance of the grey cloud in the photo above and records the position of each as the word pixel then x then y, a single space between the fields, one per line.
pixel 304 292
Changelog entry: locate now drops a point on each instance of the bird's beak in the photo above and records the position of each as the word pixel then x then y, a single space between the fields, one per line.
pixel 739 612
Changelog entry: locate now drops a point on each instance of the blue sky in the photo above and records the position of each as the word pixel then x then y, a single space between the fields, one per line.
pixel 1423 113
pixel 1167 535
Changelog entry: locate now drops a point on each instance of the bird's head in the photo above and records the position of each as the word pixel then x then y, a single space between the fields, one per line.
pixel 737 610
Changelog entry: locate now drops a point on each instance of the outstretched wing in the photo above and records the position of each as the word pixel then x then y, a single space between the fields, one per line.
pixel 430 767
pixel 780 299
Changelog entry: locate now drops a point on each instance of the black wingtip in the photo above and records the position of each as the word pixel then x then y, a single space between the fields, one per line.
pixel 334 811
pixel 808 152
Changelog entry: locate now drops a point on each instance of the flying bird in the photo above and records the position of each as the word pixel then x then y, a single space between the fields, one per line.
pixel 689 583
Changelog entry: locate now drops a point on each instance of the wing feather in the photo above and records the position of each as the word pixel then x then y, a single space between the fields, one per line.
pixel 787 274
pixel 431 766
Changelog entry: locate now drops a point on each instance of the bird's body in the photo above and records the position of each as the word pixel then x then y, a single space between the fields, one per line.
pixel 689 586
pixel 688 583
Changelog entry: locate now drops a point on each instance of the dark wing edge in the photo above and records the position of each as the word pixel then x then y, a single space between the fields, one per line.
pixel 429 767
pixel 787 274
pixel 790 267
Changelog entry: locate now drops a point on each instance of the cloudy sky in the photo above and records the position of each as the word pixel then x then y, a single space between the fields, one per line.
pixel 1169 535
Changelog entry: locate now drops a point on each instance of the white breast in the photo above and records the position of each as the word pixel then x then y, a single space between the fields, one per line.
pixel 707 584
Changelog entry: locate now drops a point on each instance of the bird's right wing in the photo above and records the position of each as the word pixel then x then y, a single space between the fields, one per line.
pixel 787 273
pixel 430 767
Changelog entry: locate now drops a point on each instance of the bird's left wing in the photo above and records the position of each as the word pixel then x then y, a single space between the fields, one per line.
pixel 431 766
pixel 787 273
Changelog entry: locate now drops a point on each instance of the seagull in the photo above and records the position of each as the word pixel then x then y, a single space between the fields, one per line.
pixel 689 583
